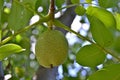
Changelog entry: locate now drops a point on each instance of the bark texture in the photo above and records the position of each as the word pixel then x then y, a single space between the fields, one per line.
pixel 46 73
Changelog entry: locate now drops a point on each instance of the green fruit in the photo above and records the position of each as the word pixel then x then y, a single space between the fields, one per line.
pixel 51 48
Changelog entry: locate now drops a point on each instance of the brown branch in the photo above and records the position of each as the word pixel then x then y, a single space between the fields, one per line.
pixel 51 14
pixel 51 9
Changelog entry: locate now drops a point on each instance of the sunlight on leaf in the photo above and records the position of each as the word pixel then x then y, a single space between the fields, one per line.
pixel 103 15
pixel 88 1
pixel 117 17
pixel 9 49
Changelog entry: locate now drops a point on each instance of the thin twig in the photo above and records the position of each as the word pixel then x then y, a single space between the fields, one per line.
pixel 44 19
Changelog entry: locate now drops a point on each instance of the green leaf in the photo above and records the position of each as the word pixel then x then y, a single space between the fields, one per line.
pixel 71 78
pixel 9 49
pixel 88 1
pixel 19 17
pixel 59 3
pixel 116 44
pixel 80 10
pixel 100 33
pixel 4 15
pixel 117 17
pixel 1 7
pixel 25 43
pixel 75 1
pixel 103 15
pixel 29 3
pixel 1 4
pixel 90 56
pixel 44 4
pixel 108 3
pixel 0 35
pixel 111 72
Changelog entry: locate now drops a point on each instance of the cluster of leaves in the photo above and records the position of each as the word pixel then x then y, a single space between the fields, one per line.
pixel 15 17
pixel 103 28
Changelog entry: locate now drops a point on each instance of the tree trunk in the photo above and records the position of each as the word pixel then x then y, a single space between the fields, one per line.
pixel 46 73
pixel 1 71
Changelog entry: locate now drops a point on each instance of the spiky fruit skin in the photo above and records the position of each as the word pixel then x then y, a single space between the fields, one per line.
pixel 51 48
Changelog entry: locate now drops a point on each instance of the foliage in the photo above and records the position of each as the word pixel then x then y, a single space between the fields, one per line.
pixel 18 35
pixel 8 49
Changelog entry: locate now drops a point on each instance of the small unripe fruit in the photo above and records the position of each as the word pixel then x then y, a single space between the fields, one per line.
pixel 51 48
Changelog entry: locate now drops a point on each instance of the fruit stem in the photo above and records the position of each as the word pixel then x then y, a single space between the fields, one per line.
pixel 51 65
